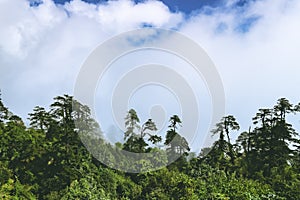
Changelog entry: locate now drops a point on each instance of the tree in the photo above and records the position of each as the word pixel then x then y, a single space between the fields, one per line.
pixel 3 110
pixel 282 108
pixel 177 146
pixel 131 123
pixel 62 108
pixel 176 143
pixel 147 128
pixel 149 125
pixel 135 134
pixel 273 138
pixel 34 165
pixel 226 124
pixel 135 142
pixel 40 118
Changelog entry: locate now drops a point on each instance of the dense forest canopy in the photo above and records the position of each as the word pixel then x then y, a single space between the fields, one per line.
pixel 49 160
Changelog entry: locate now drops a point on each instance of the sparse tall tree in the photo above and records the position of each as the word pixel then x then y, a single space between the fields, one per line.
pixel 177 144
pixel 3 110
pixel 40 118
pixel 135 134
pixel 132 124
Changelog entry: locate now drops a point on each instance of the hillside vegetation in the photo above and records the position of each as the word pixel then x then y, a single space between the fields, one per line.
pixel 47 159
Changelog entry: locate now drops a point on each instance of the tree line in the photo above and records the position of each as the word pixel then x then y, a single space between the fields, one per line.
pixel 49 159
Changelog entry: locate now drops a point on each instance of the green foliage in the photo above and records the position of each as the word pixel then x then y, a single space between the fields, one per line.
pixel 177 145
pixel 3 111
pixel 131 123
pixel 48 159
pixel 84 189
pixel 13 189
pixel 135 133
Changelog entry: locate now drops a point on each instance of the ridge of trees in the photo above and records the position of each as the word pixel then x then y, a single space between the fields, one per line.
pixel 48 160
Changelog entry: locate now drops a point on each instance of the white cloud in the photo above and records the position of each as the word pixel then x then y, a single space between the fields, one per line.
pixel 123 15
pixel 259 66
pixel 42 48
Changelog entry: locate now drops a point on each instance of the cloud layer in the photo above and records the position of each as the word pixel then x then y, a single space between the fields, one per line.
pixel 43 47
pixel 254 47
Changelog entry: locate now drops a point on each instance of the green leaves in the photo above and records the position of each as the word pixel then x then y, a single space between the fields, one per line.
pixel 131 123
pixel 3 111
pixel 177 144
pixel 136 134
pixel 226 124
pixel 48 160
pixel 40 118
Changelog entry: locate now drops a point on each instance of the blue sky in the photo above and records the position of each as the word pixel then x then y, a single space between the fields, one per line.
pixel 185 6
pixel 255 46
pixel 188 8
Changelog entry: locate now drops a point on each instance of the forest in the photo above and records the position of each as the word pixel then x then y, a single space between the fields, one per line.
pixel 47 159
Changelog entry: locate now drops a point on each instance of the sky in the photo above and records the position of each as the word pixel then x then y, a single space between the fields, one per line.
pixel 186 6
pixel 254 45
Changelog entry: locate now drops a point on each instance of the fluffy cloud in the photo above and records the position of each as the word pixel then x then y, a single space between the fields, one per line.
pixel 259 64
pixel 254 47
pixel 43 47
